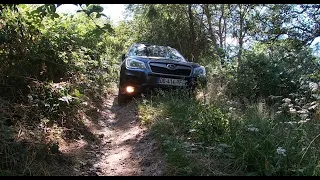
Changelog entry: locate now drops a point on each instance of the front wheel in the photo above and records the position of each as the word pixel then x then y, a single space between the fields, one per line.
pixel 122 98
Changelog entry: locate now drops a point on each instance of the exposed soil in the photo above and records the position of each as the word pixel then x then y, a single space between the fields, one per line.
pixel 123 146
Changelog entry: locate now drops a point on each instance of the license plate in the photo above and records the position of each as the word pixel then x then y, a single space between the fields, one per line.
pixel 172 82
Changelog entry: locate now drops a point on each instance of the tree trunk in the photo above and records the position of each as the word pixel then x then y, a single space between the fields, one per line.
pixel 241 35
pixel 192 33
pixel 210 29
pixel 221 26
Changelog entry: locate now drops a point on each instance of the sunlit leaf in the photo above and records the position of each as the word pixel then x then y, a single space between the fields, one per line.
pixel 66 99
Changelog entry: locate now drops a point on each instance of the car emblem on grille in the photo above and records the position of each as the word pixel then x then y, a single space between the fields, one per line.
pixel 171 66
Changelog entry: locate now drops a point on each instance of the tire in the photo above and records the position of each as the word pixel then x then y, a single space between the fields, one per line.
pixel 122 98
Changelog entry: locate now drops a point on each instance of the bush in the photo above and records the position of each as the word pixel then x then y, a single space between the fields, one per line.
pixel 274 69
pixel 54 67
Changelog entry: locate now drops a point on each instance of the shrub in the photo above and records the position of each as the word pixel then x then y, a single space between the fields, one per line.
pixel 272 70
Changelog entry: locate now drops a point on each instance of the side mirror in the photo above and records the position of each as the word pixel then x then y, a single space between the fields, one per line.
pixel 123 57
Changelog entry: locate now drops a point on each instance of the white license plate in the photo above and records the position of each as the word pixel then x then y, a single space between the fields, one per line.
pixel 172 82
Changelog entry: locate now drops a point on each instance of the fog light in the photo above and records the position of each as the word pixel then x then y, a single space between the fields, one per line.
pixel 129 89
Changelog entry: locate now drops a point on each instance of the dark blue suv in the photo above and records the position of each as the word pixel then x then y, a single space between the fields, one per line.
pixel 147 66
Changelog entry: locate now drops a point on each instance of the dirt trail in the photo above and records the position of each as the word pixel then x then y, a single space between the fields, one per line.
pixel 124 147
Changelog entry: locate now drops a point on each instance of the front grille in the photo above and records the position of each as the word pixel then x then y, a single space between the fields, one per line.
pixel 162 69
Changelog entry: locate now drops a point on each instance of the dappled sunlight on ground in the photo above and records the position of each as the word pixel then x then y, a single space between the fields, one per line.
pixel 70 147
pixel 124 146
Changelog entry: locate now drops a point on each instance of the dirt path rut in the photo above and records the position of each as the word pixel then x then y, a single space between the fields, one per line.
pixel 123 148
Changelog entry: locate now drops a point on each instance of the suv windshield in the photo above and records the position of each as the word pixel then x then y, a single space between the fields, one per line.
pixel 155 51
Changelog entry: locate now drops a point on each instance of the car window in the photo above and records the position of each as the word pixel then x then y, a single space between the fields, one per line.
pixel 138 50
pixel 174 54
pixel 155 51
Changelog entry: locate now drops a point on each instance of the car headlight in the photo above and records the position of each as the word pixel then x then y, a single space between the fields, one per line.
pixel 199 71
pixel 132 63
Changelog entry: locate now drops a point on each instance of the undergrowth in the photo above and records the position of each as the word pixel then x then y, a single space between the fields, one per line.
pixel 200 138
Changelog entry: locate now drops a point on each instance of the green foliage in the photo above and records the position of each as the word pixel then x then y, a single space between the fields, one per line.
pixel 53 66
pixel 167 25
pixel 208 124
pixel 279 145
pixel 255 142
pixel 274 69
pixel 179 121
pixel 44 10
pixel 242 137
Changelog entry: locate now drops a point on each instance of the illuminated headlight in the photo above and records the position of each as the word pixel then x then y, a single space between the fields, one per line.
pixel 199 71
pixel 129 89
pixel 132 63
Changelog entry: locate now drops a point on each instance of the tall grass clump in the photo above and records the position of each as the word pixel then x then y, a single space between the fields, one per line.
pixel 184 127
pixel 274 145
pixel 204 139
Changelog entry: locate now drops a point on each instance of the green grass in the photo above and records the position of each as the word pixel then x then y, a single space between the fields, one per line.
pixel 205 139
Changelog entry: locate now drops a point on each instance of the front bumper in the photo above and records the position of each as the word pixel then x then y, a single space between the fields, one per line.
pixel 144 81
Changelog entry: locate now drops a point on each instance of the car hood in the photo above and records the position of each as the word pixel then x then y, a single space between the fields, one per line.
pixel 164 60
